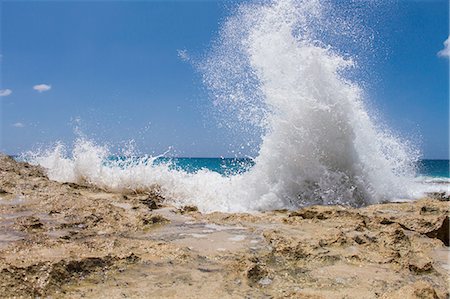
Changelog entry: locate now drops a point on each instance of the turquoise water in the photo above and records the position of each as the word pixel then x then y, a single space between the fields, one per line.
pixel 224 166
pixel 227 166
pixel 434 168
pixel 230 166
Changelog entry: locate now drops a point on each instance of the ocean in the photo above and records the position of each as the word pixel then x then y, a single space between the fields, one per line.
pixel 434 168
pixel 231 166
pixel 426 168
pixel 233 184
pixel 280 69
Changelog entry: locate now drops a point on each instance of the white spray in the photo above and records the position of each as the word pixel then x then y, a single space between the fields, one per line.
pixel 319 143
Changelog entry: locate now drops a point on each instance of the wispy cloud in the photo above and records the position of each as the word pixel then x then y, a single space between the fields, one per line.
pixel 446 51
pixel 18 125
pixel 5 92
pixel 42 87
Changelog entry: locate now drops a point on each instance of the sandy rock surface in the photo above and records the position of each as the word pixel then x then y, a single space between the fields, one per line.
pixel 77 241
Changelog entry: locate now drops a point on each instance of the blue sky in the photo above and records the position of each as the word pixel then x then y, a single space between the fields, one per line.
pixel 113 69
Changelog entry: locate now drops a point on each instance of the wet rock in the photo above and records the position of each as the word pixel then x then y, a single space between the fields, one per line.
pixel 442 232
pixel 83 185
pixel 75 186
pixel 256 273
pixel 386 221
pixel 83 266
pixel 150 203
pixel 155 219
pixel 188 209
pixel 428 210
pixel 308 213
pixel 442 196
pixel 132 258
pixel 359 240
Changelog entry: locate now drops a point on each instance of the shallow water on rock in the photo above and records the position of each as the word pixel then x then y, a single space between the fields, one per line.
pixel 203 237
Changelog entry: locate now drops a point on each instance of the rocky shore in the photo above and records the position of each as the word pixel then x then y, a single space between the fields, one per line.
pixel 77 241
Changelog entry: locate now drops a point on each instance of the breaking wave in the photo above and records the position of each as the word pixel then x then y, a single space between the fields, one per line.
pixel 274 71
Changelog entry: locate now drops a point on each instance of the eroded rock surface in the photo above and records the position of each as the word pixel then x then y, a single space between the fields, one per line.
pixel 73 241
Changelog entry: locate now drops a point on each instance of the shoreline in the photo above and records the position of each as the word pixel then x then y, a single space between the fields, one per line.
pixel 68 240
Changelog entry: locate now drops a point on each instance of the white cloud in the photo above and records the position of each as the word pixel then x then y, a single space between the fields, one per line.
pixel 42 87
pixel 183 55
pixel 5 92
pixel 18 125
pixel 446 51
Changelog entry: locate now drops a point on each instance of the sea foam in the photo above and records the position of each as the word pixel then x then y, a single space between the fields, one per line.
pixel 270 70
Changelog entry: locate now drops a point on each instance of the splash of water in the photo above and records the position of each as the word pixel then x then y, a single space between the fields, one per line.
pixel 319 143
